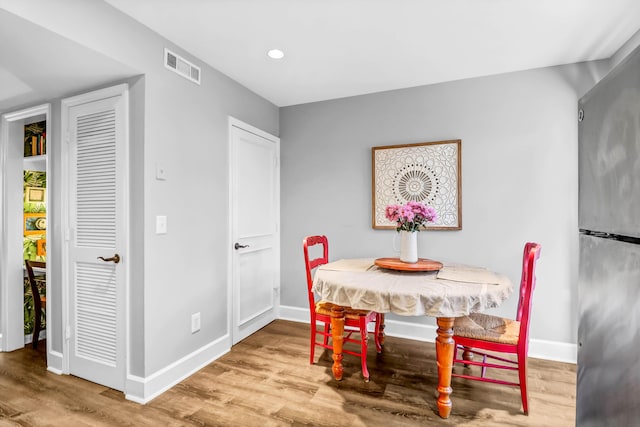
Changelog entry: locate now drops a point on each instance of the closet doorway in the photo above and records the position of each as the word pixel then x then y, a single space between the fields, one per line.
pixel 24 175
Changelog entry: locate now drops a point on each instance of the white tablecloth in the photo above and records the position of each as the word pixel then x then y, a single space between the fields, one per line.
pixel 456 290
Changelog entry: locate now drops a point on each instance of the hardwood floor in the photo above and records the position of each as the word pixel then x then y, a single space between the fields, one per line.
pixel 266 380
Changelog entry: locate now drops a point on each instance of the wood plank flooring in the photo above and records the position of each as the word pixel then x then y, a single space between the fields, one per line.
pixel 266 380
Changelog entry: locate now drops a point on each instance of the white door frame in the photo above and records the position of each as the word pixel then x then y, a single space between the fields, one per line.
pixel 119 90
pixel 12 318
pixel 233 122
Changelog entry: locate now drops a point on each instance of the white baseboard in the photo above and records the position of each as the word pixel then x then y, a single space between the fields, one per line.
pixel 54 358
pixel 54 362
pixel 540 349
pixel 143 390
pixel 28 339
pixel 295 314
pixel 553 350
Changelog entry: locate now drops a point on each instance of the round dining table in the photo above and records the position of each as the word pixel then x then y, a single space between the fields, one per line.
pixel 441 290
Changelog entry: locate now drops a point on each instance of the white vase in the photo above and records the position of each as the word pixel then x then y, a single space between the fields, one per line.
pixel 409 246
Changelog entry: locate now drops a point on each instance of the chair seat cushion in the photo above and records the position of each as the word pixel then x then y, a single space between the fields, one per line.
pixel 323 307
pixel 488 328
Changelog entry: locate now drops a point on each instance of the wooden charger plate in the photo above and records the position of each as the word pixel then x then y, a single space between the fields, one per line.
pixel 423 264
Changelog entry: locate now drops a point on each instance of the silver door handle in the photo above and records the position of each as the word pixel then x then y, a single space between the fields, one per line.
pixel 239 246
pixel 115 259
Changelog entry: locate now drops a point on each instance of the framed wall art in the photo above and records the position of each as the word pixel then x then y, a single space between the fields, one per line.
pixel 35 194
pixel 35 223
pixel 41 247
pixel 427 172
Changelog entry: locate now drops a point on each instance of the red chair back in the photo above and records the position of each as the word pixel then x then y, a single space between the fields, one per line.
pixel 527 285
pixel 311 264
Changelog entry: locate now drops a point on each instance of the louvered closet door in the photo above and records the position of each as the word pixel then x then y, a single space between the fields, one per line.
pixel 96 217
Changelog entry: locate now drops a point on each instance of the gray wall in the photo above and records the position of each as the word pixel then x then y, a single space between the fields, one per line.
pixel 183 127
pixel 519 179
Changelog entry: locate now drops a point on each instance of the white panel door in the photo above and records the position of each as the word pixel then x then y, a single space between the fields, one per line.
pixel 96 268
pixel 254 229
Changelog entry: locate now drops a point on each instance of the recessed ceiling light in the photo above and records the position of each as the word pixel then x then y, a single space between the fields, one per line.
pixel 275 54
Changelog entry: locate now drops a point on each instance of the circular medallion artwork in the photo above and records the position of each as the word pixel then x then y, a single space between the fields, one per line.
pixel 415 182
pixel 427 173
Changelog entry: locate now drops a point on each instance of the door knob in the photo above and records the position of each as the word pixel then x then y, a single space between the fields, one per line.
pixel 115 259
pixel 239 246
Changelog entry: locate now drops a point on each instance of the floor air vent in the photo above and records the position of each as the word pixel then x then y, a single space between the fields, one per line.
pixel 181 66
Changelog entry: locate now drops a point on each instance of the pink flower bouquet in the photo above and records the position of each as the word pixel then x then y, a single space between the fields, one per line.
pixel 410 216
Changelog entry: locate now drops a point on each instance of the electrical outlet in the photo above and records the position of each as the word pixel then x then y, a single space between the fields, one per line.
pixel 195 322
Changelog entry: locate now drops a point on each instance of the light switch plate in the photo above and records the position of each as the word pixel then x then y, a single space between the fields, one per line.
pixel 161 172
pixel 161 224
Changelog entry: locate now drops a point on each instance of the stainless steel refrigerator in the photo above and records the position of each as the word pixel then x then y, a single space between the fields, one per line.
pixel 608 383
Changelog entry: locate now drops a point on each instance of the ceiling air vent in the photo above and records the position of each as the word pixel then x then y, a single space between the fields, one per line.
pixel 181 66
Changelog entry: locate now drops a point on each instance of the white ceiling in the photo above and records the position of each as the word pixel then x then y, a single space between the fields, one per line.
pixel 339 48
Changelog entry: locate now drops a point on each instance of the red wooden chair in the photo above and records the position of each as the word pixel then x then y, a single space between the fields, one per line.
pixel 356 321
pixel 484 332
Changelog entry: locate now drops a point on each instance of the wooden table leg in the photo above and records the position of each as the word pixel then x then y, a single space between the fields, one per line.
pixel 445 347
pixel 381 333
pixel 337 334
